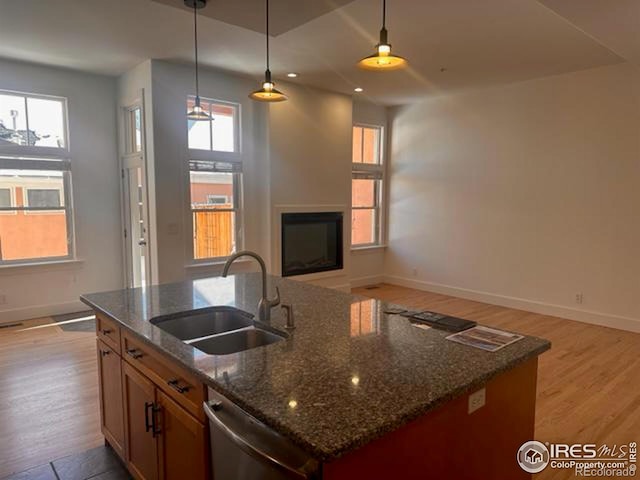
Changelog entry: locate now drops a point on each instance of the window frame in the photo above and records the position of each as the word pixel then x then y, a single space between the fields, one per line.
pixel 227 162
pixel 377 173
pixel 54 159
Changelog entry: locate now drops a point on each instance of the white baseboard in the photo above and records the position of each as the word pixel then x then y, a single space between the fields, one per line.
pixel 366 281
pixel 586 316
pixel 39 311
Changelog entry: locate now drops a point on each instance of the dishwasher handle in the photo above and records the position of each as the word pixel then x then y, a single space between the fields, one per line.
pixel 308 471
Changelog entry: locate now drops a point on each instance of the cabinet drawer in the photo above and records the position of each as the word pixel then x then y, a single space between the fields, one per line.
pixel 108 331
pixel 179 384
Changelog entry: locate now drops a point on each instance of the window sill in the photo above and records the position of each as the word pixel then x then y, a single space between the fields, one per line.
pixel 14 268
pixel 368 248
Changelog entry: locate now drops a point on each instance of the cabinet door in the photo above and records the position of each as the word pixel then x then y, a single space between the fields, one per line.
pixel 111 412
pixel 182 443
pixel 141 441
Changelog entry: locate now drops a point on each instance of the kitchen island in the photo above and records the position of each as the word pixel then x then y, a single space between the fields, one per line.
pixel 364 393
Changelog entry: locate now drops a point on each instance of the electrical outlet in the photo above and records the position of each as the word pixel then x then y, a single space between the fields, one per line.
pixel 477 400
pixel 579 298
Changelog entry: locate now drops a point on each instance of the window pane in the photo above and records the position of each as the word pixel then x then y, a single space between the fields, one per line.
pixel 43 198
pixel 33 234
pixel 137 126
pixel 370 143
pixel 13 121
pixel 199 131
pixel 46 122
pixel 211 190
pixel 213 234
pixel 363 193
pixel 5 197
pixel 223 128
pixel 213 231
pixel 357 145
pixel 363 226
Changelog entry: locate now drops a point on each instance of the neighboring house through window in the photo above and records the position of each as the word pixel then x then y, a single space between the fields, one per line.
pixel 216 179
pixel 367 183
pixel 35 179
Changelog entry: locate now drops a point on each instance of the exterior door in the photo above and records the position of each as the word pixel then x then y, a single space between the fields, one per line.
pixel 140 424
pixel 181 442
pixel 111 397
pixel 134 201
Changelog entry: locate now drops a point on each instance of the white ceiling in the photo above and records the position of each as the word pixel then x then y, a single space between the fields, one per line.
pixel 479 43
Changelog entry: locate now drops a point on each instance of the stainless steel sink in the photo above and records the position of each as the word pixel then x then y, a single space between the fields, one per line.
pixel 237 341
pixel 204 322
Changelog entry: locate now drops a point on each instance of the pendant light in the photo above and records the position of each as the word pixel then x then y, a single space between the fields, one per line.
pixel 383 59
pixel 268 92
pixel 197 113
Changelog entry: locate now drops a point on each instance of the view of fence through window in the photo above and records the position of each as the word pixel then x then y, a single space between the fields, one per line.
pixel 34 216
pixel 215 181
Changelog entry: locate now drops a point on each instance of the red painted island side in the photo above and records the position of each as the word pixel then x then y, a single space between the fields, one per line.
pixel 449 443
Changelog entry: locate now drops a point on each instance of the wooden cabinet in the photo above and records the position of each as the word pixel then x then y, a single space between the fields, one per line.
pixel 151 408
pixel 180 433
pixel 111 412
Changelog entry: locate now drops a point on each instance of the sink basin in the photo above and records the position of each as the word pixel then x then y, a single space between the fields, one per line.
pixel 237 341
pixel 204 322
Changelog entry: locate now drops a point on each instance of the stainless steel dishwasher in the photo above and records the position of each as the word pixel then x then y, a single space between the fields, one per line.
pixel 243 448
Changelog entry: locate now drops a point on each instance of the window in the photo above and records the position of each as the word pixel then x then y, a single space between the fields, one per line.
pixel 35 179
pixel 367 181
pixel 215 180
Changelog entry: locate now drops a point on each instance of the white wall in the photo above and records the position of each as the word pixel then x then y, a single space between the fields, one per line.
pixel 310 160
pixel 523 195
pixel 39 290
pixel 367 265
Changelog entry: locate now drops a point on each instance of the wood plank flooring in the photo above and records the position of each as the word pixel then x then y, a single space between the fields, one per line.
pixel 588 383
pixel 48 395
pixel 588 388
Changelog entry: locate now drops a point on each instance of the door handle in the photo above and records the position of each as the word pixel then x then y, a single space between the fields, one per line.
pixel 133 353
pixel 142 243
pixel 155 430
pixel 147 424
pixel 105 352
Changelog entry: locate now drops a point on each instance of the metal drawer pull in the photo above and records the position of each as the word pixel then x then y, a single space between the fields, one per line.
pixel 147 424
pixel 106 331
pixel 155 431
pixel 133 353
pixel 176 386
pixel 105 352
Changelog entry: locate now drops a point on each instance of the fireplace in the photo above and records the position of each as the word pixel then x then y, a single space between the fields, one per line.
pixel 311 242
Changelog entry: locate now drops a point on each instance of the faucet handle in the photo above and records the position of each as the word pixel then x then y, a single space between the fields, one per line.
pixel 276 301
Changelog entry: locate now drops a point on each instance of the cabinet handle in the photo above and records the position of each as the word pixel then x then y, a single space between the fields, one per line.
pixel 133 353
pixel 147 425
pixel 106 331
pixel 176 386
pixel 155 431
pixel 105 352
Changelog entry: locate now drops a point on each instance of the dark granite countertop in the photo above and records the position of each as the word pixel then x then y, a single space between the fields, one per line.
pixel 347 374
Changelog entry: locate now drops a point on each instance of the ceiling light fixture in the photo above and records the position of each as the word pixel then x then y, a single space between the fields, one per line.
pixel 383 59
pixel 358 89
pixel 196 113
pixel 268 92
pixel 292 75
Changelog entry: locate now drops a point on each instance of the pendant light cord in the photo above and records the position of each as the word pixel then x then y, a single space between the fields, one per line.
pixel 195 38
pixel 267 30
pixel 384 13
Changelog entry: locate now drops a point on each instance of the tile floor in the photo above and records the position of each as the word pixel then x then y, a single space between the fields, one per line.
pixel 99 463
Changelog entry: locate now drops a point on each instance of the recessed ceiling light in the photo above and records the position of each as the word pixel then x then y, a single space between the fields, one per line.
pixel 292 75
pixel 358 89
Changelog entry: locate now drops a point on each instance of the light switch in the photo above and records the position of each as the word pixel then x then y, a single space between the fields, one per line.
pixel 477 400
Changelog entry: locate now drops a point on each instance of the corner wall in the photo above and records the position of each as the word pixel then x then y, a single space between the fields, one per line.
pixel 523 195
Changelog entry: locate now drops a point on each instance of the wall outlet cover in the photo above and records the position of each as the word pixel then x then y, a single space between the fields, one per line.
pixel 477 400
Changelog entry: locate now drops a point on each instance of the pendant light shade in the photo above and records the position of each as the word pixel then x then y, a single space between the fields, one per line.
pixel 383 60
pixel 196 113
pixel 268 92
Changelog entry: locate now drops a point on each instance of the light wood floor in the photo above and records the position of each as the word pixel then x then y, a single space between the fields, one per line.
pixel 588 388
pixel 588 383
pixel 48 395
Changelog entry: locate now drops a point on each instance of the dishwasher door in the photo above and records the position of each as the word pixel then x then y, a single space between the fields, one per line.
pixel 243 448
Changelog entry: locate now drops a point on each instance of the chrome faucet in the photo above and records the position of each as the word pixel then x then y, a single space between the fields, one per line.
pixel 265 305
